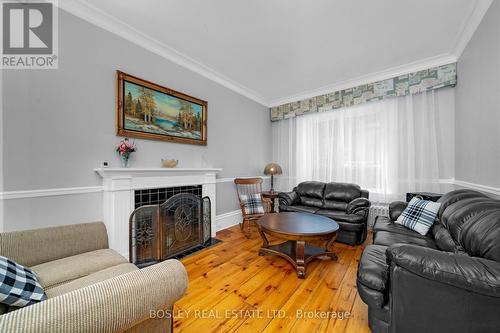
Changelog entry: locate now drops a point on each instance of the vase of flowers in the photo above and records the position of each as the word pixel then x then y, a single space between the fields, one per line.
pixel 124 148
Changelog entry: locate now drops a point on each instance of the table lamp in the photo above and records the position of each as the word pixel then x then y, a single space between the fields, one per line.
pixel 272 169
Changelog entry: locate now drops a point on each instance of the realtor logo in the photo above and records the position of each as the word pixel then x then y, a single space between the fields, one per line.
pixel 29 35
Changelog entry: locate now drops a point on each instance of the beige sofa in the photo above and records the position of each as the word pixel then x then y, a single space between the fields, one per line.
pixel 90 287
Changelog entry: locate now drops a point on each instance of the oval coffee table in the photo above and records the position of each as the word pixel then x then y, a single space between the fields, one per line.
pixel 297 229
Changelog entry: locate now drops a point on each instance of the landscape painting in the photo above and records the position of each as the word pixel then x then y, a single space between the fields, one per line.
pixel 149 111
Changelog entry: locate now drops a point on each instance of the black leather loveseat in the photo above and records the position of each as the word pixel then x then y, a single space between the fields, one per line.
pixel 446 281
pixel 347 204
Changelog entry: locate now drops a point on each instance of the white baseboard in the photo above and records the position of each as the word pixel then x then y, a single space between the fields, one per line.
pixel 226 220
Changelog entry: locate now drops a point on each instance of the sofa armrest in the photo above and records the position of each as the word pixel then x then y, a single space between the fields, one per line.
pixel 357 204
pixel 288 198
pixel 474 274
pixel 116 304
pixel 396 208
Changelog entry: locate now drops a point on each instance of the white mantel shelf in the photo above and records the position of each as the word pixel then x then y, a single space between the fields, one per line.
pixel 120 183
pixel 109 172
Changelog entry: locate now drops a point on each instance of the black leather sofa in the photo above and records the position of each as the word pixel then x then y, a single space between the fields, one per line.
pixel 446 281
pixel 347 204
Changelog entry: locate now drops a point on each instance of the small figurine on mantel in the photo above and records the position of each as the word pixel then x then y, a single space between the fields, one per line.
pixel 169 163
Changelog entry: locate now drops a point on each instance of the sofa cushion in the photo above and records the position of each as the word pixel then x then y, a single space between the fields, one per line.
pixel 312 202
pixel 480 237
pixel 458 214
pixel 390 238
pixel 301 209
pixel 443 239
pixel 454 196
pixel 342 192
pixel 47 244
pixel 419 215
pixel 385 224
pixel 19 285
pixel 311 193
pixel 335 205
pixel 71 268
pixel 340 216
pixel 90 279
pixel 311 189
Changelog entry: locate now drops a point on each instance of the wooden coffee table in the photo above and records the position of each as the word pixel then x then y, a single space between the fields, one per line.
pixel 297 229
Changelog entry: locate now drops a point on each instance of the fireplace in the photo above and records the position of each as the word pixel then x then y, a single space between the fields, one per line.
pixel 126 189
pixel 172 229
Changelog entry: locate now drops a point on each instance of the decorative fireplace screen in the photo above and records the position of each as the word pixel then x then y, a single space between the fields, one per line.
pixel 160 232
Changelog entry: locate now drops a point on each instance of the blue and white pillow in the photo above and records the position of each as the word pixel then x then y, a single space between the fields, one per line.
pixel 419 215
pixel 19 285
pixel 252 203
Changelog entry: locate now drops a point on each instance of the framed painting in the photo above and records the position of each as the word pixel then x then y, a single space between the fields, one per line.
pixel 148 111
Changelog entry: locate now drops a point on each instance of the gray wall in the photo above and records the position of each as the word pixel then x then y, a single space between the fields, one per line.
pixel 477 125
pixel 59 124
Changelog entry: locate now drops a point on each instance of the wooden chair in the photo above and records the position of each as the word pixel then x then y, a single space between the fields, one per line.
pixel 249 186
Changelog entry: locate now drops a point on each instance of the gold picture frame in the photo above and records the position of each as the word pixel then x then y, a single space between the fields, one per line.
pixel 146 110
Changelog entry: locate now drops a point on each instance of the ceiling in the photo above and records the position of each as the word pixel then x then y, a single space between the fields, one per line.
pixel 275 51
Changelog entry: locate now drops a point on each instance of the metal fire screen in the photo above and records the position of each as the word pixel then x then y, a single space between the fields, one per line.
pixel 159 232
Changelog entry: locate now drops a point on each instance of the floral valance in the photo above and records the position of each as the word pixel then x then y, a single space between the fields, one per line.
pixel 412 83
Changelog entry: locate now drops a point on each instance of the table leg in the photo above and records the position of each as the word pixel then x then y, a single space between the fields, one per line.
pixel 328 246
pixel 265 242
pixel 299 254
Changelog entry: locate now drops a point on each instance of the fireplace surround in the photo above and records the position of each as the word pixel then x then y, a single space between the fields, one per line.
pixel 120 186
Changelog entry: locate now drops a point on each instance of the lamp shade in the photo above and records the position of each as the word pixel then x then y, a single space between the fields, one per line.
pixel 273 169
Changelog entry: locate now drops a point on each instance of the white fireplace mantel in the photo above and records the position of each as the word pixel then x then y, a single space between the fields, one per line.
pixel 119 186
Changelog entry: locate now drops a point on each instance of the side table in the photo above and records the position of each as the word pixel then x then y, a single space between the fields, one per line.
pixel 271 196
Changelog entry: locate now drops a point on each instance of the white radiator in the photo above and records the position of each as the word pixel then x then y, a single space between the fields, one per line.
pixel 377 209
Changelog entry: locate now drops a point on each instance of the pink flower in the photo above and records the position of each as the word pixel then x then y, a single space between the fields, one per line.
pixel 125 147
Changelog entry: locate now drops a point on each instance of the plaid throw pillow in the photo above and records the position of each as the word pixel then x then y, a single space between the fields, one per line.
pixel 19 285
pixel 419 215
pixel 252 203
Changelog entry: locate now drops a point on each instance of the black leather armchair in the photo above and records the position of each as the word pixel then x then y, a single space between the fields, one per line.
pixel 446 281
pixel 347 204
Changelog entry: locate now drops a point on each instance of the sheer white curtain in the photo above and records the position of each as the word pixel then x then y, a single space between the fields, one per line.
pixel 388 147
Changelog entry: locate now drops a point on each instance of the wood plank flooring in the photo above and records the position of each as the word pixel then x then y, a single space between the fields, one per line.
pixel 233 289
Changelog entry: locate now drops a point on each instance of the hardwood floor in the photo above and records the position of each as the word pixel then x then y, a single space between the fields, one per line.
pixel 233 289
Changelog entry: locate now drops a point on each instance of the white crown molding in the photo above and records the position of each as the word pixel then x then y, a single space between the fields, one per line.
pixel 470 24
pixel 427 63
pixel 90 13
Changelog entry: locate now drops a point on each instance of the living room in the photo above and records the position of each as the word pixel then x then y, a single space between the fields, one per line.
pixel 258 166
